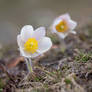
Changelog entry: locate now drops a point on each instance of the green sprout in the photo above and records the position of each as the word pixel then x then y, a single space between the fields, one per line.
pixel 83 57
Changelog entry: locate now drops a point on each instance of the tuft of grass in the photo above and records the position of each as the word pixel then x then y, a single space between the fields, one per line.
pixel 37 79
pixel 67 81
pixel 83 57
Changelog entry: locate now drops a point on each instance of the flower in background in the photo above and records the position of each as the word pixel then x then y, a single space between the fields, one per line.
pixel 33 43
pixel 63 25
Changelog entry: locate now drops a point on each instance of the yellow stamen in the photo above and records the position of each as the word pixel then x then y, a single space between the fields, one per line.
pixel 31 45
pixel 62 26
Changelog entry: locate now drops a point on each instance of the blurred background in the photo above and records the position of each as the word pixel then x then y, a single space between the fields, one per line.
pixel 16 13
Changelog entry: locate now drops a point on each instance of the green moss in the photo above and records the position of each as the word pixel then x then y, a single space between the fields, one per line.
pixel 67 81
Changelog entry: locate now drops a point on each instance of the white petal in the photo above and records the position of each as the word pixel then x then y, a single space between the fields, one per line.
pixel 65 16
pixel 74 32
pixel 35 55
pixel 26 32
pixel 52 29
pixel 39 33
pixel 62 35
pixel 54 25
pixel 56 21
pixel 25 54
pixel 44 44
pixel 62 17
pixel 72 24
pixel 20 41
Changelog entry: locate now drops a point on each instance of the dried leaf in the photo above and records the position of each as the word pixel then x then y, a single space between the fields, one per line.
pixel 15 62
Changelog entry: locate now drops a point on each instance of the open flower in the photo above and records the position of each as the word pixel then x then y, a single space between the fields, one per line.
pixel 33 43
pixel 63 25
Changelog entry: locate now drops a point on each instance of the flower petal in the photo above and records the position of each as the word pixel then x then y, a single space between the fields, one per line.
pixel 65 16
pixel 62 35
pixel 62 17
pixel 72 24
pixel 44 44
pixel 39 33
pixel 25 54
pixel 53 29
pixel 73 32
pixel 20 41
pixel 26 32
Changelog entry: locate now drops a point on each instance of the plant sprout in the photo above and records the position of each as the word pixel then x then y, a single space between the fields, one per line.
pixel 32 43
pixel 63 25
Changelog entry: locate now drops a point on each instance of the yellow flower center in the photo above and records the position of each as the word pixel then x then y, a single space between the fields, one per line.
pixel 31 45
pixel 62 26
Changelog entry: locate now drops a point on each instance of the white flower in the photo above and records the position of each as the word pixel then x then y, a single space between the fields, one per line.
pixel 63 25
pixel 33 43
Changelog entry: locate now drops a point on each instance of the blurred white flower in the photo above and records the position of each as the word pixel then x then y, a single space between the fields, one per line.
pixel 33 43
pixel 63 25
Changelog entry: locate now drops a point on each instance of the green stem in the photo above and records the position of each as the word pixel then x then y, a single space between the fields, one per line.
pixel 29 65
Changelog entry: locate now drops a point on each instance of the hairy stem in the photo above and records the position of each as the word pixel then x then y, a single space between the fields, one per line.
pixel 63 45
pixel 29 65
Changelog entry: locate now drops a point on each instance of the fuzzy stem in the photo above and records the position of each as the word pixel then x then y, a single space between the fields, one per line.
pixel 63 45
pixel 29 65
